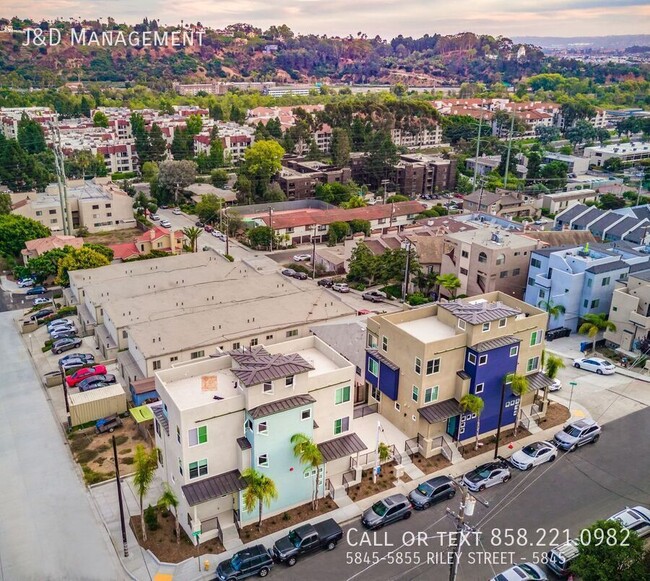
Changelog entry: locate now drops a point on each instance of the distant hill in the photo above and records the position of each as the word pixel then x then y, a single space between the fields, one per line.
pixel 619 42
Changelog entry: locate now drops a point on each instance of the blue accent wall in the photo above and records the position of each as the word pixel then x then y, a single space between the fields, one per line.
pixel 370 377
pixel 499 363
pixel 388 380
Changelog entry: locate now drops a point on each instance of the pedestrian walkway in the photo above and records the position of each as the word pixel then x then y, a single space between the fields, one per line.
pixel 144 566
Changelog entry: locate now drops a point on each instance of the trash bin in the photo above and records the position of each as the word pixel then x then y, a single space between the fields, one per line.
pixel 585 346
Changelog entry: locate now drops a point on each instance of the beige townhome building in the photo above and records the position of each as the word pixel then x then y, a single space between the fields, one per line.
pixel 630 311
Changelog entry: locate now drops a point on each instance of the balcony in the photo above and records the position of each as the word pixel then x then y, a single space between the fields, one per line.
pixel 639 320
pixel 543 281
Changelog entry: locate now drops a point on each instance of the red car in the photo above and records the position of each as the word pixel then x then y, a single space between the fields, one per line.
pixel 84 373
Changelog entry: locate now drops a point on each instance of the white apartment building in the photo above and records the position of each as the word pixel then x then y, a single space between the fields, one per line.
pixel 10 116
pixel 627 152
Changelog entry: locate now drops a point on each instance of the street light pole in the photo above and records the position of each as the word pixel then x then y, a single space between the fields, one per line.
pixel 376 467
pixel 572 384
pixel 313 258
pixel 503 397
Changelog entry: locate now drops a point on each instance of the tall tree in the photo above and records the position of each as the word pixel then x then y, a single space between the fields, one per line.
pixel 194 124
pixel 100 119
pixel 174 176
pixel 144 464
pixel 593 324
pixel 209 208
pixel 473 404
pixel 192 234
pixel 16 230
pixel 261 162
pixel 157 144
pixel 307 452
pixel 182 145
pixel 340 147
pixel 78 259
pixel 5 204
pixel 554 310
pixel 364 265
pixel 216 157
pixel 167 501
pixel 260 491
pixel 553 365
pixel 30 135
pixel 519 387
pixel 450 282
pixel 382 155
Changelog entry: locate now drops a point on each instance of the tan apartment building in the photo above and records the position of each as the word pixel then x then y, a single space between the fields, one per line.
pixel 630 311
pixel 420 363
pixel 488 259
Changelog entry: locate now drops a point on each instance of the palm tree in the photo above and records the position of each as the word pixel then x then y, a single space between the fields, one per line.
pixel 192 234
pixel 450 282
pixel 551 308
pixel 384 452
pixel 144 462
pixel 308 453
pixel 593 324
pixel 553 364
pixel 168 501
pixel 260 490
pixel 519 387
pixel 474 405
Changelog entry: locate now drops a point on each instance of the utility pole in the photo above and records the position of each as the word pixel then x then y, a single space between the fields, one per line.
pixel 384 183
pixel 503 397
pixel 406 271
pixel 271 226
pixel 640 175
pixel 59 166
pixel 313 258
pixel 478 146
pixel 119 497
pixel 512 127
pixel 375 469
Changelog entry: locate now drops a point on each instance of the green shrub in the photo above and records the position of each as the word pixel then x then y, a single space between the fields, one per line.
pixel 79 442
pixel 123 175
pixel 286 516
pixel 128 460
pixel 393 290
pixel 46 348
pixel 119 440
pixel 92 477
pixel 358 286
pixel 229 258
pixel 151 518
pixel 416 299
pixel 86 456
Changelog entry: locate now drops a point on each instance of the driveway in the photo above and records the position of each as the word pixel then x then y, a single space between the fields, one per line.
pixel 48 527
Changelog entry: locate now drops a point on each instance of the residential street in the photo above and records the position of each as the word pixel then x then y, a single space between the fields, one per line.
pixel 574 491
pixel 48 527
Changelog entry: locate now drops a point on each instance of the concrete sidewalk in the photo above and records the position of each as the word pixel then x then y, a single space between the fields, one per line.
pixel 144 566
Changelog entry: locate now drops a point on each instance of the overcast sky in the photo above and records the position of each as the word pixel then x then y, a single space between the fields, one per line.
pixel 387 18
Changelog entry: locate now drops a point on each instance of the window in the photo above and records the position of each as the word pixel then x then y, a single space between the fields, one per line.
pixel 514 350
pixel 248 425
pixel 198 435
pixel 269 337
pixel 533 363
pixel 614 309
pixel 292 333
pixel 197 354
pixel 253 342
pixel 178 434
pixel 262 428
pixel 595 303
pixel 384 343
pixel 500 259
pixel 288 382
pixel 482 257
pixel 503 274
pixel 605 281
pixel 397 406
pixel 433 366
pixel 464 271
pixel 482 360
pixel 536 262
pixel 542 293
pixel 305 414
pixel 502 323
pixel 536 337
pixel 39 213
pixel 342 395
pixel 486 327
pixel 199 468
pixel 268 387
pixel 372 340
pixel 263 460
pixel 156 365
pixel 585 303
pixel 464 254
pixel 431 394
pixel 461 324
pixel 479 388
pixel 173 359
pixel 516 271
pixel 180 466
pixel 415 393
pixel 471 358
pixel 341 425
pixel 531 281
pixel 236 345
pixel 373 367
pixel 418 365
pixel 590 281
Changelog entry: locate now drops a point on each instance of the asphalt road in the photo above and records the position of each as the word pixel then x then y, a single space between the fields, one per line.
pixel 13 301
pixel 549 504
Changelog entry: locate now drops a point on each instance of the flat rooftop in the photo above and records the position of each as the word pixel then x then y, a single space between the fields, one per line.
pixel 197 390
pixel 487 236
pixel 428 329
pixel 320 361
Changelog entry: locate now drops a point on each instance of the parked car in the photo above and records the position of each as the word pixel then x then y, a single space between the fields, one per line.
pixel 636 519
pixel 487 475
pixel 306 539
pixel 577 434
pixel 176 211
pixel 432 491
pixel 199 224
pixel 289 272
pixel 155 217
pixel 42 301
pixel 26 282
pixel 595 365
pixel 165 223
pixel 60 322
pixel 559 558
pixel 66 344
pixel 341 287
pixel 37 290
pixel 96 381
pixel 208 228
pixel 374 296
pixel 84 373
pixel 77 360
pixel 300 275
pixel 63 330
pixel 108 424
pixel 522 572
pixel 556 385
pixel 255 560
pixel 386 511
pixel 326 282
pixel 557 333
pixel 533 455
pixel 38 315
pixel 302 257
pixel 67 325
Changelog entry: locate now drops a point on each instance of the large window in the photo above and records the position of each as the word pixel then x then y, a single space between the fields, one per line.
pixel 262 428
pixel 433 366
pixel 197 354
pixel 373 367
pixel 199 468
pixel 536 262
pixel 471 358
pixel 415 394
pixel 482 257
pixel 342 395
pixel 431 394
pixel 501 259
pixel 482 360
pixel 198 435
pixel 384 343
pixel 536 337
pixel 372 341
pixel 533 364
pixel 341 425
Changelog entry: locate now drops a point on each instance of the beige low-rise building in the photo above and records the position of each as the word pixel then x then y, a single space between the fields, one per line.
pixel 630 311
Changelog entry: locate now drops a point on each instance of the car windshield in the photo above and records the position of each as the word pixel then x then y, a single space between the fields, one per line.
pixel 425 489
pixel 572 431
pixel 295 539
pixel 529 570
pixel 483 473
pixel 379 508
pixel 530 450
pixel 235 562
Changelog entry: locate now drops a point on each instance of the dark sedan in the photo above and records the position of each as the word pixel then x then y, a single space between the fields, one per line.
pixel 77 360
pixel 432 491
pixel 289 272
pixel 300 275
pixel 326 282
pixel 96 381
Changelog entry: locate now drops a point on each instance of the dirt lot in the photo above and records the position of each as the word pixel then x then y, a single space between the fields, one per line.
pixel 506 438
pixel 385 481
pixel 429 465
pixel 94 452
pixel 290 518
pixel 114 237
pixel 162 541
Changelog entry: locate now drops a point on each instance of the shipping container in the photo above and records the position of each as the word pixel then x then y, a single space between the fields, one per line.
pixel 95 404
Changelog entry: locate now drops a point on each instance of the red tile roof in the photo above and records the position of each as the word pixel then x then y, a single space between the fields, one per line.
pixel 124 251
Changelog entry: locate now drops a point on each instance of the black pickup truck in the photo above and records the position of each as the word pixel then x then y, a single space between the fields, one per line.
pixel 306 539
